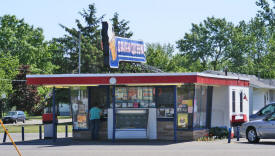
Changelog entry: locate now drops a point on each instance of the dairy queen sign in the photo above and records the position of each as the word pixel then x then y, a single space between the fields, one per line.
pixel 118 49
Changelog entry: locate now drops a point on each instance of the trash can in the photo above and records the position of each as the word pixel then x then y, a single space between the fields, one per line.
pixel 49 127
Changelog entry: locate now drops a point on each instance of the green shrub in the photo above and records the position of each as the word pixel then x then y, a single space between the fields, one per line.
pixel 218 132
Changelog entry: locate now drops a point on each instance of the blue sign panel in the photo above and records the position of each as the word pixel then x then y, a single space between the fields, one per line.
pixel 123 49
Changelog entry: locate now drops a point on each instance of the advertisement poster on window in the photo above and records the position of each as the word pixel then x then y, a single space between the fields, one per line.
pixel 182 120
pixel 189 104
pixel 82 120
pixel 132 93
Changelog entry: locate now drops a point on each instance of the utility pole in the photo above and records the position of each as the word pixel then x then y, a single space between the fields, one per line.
pixel 79 52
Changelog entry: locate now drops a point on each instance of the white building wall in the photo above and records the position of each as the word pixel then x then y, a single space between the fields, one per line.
pixel 272 96
pixel 251 101
pixel 238 90
pixel 259 95
pixel 220 107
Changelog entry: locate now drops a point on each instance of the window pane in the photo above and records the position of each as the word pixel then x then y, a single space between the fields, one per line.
pixel 200 107
pixel 233 102
pixel 99 96
pixel 165 102
pixel 79 100
pixel 185 96
pixel 241 102
pixel 131 119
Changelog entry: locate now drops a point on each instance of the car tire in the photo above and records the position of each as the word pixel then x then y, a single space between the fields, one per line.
pixel 23 120
pixel 15 121
pixel 251 135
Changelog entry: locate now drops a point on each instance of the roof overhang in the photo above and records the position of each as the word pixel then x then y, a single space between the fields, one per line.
pixel 64 80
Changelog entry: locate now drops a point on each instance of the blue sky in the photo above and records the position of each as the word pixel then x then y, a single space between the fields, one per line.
pixel 164 21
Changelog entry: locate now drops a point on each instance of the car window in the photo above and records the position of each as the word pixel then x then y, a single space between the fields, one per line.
pixel 272 117
pixel 268 109
pixel 11 113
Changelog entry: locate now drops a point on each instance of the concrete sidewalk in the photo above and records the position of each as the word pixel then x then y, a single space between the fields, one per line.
pixel 69 147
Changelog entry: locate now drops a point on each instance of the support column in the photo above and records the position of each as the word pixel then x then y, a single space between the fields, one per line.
pixel 114 113
pixel 175 113
pixel 54 117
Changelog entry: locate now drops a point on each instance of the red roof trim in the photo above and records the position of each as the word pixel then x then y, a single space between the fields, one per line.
pixel 124 80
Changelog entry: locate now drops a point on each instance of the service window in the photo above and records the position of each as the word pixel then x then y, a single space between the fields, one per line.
pixel 165 102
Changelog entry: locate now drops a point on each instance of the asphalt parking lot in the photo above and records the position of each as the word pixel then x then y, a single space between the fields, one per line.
pixel 69 147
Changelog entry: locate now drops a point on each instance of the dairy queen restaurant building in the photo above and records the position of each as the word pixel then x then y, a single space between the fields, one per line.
pixel 153 106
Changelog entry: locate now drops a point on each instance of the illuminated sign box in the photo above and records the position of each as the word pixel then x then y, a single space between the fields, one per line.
pixel 118 49
pixel 123 49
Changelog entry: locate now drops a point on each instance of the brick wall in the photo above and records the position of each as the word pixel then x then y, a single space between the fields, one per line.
pixel 165 130
pixel 86 134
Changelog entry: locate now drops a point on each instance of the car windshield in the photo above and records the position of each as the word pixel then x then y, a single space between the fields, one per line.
pixel 268 109
pixel 11 113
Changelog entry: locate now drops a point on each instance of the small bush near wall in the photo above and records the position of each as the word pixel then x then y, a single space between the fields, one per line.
pixel 218 132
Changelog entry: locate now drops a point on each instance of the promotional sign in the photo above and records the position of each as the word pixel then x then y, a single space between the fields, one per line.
pixel 182 120
pixel 121 49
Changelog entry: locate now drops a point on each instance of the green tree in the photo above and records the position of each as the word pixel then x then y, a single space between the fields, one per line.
pixel 8 71
pixel 66 50
pixel 266 32
pixel 25 97
pixel 183 63
pixel 27 47
pixel 25 42
pixel 121 27
pixel 158 55
pixel 209 42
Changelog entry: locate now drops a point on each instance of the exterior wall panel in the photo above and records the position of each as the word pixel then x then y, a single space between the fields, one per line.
pixel 220 107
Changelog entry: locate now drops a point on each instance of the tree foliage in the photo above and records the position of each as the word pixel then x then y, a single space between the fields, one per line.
pixel 25 97
pixel 158 55
pixel 210 42
pixel 247 47
pixel 8 71
pixel 25 42
pixel 121 27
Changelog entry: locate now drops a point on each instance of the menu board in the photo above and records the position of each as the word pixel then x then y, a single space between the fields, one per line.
pixel 132 93
pixel 121 93
pixel 134 97
pixel 139 95
pixel 148 94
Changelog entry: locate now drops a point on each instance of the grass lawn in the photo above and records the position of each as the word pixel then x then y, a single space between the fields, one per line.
pixel 33 128
pixel 40 117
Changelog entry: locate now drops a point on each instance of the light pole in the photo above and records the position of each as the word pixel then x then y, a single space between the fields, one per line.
pixel 3 96
pixel 79 53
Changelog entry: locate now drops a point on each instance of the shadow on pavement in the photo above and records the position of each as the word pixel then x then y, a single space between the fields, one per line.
pixel 72 142
pixel 260 143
